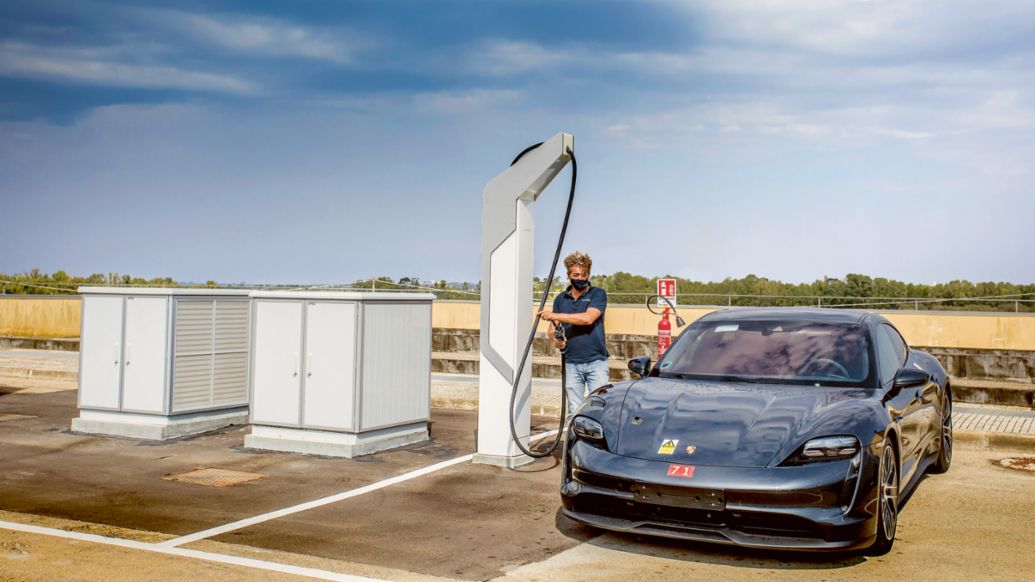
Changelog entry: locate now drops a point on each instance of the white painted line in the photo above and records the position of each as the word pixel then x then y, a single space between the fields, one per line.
pixel 185 553
pixel 169 547
pixel 250 521
pixel 247 522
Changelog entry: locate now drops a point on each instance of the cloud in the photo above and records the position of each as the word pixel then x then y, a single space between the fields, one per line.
pixel 503 57
pixel 262 36
pixel 100 66
pixel 466 101
pixel 859 28
pixel 463 101
pixel 847 126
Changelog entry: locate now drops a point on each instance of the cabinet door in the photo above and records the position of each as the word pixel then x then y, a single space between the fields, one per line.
pixel 100 352
pixel 330 365
pixel 143 379
pixel 277 367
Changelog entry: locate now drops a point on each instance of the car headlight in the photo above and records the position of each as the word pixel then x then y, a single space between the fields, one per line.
pixel 827 448
pixel 588 429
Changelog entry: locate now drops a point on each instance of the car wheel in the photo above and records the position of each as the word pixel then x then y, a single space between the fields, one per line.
pixel 945 446
pixel 887 502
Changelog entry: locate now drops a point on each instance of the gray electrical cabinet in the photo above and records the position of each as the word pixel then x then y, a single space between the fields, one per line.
pixel 339 374
pixel 160 363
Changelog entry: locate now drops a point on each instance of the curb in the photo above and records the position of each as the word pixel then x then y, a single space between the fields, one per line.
pixel 546 410
pixel 27 373
pixel 996 440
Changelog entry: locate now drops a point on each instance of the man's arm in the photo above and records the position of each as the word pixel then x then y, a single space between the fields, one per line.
pixel 591 315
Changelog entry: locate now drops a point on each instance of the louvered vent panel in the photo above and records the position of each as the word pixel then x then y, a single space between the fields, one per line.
pixel 192 382
pixel 231 326
pixel 230 384
pixel 193 327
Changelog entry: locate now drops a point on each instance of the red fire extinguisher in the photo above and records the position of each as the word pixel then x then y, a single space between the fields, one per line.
pixel 664 334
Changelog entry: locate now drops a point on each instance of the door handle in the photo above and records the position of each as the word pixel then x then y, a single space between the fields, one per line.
pixel 297 364
pixel 129 353
pixel 116 350
pixel 308 365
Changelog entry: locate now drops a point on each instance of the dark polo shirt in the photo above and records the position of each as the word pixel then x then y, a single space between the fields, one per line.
pixel 585 342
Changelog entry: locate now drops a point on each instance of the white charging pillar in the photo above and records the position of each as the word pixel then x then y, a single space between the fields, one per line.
pixel 508 233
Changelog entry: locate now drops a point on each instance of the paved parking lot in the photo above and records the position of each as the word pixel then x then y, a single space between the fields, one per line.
pixel 459 521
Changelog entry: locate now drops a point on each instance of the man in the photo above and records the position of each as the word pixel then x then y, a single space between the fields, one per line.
pixel 580 309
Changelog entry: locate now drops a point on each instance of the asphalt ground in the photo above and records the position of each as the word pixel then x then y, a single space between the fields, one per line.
pixel 463 521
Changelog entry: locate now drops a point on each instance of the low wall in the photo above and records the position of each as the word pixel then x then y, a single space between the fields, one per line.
pixel 58 317
pixel 39 317
pixel 958 330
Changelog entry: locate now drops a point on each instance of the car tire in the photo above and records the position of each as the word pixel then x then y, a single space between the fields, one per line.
pixel 887 502
pixel 945 440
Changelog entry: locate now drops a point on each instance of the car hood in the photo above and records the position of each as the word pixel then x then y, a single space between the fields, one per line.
pixel 728 424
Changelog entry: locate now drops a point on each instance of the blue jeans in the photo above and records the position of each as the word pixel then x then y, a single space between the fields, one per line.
pixel 583 378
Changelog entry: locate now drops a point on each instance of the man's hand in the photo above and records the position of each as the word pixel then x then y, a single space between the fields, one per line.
pixel 547 315
pixel 559 344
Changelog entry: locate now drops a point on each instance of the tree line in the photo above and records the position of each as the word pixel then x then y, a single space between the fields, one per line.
pixel 853 290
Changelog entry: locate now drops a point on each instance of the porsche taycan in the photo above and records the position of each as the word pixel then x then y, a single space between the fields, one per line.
pixel 797 429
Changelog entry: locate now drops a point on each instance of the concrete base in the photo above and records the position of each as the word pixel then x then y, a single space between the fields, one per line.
pixel 154 427
pixel 502 461
pixel 334 444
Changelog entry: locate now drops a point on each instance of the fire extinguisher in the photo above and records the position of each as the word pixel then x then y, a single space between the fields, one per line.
pixel 664 334
pixel 664 326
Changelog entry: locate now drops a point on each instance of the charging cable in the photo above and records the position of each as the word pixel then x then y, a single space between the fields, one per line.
pixel 531 337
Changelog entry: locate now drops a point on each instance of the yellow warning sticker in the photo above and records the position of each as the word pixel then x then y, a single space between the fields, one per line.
pixel 668 446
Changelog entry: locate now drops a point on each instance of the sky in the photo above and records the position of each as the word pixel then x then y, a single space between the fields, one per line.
pixel 327 141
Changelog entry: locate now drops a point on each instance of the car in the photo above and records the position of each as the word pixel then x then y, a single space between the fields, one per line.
pixel 795 429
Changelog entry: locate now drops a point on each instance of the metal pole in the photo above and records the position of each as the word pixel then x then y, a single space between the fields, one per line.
pixel 916 305
pixel 819 302
pixel 1016 306
pixel 729 301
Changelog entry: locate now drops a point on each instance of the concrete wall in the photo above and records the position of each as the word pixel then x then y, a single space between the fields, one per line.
pixel 59 318
pixel 39 317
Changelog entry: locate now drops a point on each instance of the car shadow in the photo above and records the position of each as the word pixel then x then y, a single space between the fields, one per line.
pixel 703 552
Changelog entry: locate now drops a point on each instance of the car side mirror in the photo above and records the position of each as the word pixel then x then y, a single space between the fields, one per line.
pixel 910 377
pixel 640 366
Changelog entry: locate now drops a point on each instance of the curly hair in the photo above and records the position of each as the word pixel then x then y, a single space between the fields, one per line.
pixel 578 259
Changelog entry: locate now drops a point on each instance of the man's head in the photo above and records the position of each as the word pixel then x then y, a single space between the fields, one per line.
pixel 578 266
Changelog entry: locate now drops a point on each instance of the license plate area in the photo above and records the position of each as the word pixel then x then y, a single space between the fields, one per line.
pixel 682 497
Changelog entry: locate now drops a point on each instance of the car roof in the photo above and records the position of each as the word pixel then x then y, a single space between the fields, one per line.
pixel 804 314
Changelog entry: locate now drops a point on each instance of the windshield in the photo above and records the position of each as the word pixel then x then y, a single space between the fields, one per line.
pixel 771 351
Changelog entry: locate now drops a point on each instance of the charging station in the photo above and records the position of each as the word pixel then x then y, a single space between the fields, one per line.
pixel 508 236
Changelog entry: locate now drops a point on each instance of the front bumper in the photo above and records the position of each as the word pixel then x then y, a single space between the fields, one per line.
pixel 820 506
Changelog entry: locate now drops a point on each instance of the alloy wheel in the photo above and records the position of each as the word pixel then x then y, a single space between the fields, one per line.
pixel 888 493
pixel 947 434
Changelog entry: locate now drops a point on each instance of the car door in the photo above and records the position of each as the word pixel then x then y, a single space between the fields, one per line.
pixel 905 406
pixel 930 423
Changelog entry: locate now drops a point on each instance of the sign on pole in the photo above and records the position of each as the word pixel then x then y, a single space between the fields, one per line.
pixel 667 289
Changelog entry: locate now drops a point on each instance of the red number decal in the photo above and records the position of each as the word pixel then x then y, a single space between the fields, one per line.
pixel 683 471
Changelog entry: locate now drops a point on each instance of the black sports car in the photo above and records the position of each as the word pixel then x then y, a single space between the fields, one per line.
pixel 777 428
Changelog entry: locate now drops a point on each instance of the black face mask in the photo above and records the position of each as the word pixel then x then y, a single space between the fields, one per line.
pixel 580 284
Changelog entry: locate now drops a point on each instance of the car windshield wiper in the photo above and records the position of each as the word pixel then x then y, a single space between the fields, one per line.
pixel 718 378
pixel 742 379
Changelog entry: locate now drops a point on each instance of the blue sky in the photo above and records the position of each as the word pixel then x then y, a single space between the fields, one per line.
pixel 322 142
